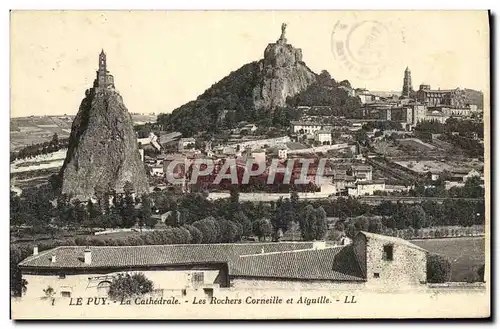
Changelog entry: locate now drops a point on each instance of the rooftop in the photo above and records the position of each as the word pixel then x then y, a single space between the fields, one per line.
pixel 371 182
pixel 362 168
pixel 333 263
pixel 153 255
pixel 391 239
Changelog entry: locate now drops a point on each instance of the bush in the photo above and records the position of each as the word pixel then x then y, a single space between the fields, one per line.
pixel 196 235
pixel 438 269
pixel 480 273
pixel 126 286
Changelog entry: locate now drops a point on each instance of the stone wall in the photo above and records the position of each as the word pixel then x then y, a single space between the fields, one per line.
pixel 408 267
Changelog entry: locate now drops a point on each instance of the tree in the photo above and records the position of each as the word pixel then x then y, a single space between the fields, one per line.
pixel 18 285
pixel 312 223
pixel 262 228
pixel 146 212
pixel 480 273
pixel 196 235
pixel 55 139
pixel 438 269
pixel 417 217
pixel 127 207
pixel 245 223
pixel 127 286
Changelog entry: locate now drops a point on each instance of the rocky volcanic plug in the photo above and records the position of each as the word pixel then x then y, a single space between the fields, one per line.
pixel 103 149
pixel 283 74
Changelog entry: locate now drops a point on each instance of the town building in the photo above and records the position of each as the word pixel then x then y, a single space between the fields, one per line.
pixel 451 97
pixel 361 188
pixel 407 86
pixel 370 260
pixel 261 143
pixel 324 137
pixel 186 144
pixel 302 127
pixel 362 172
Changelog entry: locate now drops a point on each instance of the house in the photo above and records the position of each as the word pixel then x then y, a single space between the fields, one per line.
pixel 157 170
pixel 301 127
pixel 88 271
pixel 362 172
pixel 367 187
pixel 463 174
pixel 370 260
pixel 323 137
pixel 186 144
pixel 282 152
pixel 433 175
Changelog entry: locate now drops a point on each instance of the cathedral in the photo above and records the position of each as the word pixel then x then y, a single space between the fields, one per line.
pixel 425 95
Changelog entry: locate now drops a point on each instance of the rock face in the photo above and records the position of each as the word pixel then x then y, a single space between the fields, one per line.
pixel 283 74
pixel 103 151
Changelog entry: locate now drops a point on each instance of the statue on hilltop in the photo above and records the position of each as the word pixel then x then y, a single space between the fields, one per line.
pixel 282 38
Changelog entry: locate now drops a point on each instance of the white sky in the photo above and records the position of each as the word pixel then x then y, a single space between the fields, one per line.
pixel 162 59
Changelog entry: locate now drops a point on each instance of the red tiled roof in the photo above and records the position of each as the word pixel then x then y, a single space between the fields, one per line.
pixel 334 263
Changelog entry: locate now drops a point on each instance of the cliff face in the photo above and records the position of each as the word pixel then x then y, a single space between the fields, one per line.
pixel 103 149
pixel 255 87
pixel 283 74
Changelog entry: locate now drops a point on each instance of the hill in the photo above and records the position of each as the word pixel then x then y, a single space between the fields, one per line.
pixel 250 93
pixel 338 96
pixel 475 97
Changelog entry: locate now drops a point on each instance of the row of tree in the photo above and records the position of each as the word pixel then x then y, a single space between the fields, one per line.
pixel 31 151
pixel 43 212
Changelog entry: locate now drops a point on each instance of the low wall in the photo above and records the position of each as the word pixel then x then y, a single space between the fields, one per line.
pixel 267 197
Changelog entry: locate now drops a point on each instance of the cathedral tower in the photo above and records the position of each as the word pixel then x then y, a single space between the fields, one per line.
pixel 407 87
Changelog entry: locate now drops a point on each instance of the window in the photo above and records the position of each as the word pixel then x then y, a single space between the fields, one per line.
pixel 103 288
pixel 65 294
pixel 376 275
pixel 388 252
pixel 198 277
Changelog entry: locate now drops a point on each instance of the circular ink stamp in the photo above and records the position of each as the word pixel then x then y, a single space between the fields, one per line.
pixel 362 47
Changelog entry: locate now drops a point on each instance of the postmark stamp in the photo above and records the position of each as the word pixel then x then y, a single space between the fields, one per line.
pixel 363 47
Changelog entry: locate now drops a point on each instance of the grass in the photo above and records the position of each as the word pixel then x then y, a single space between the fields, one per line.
pixel 465 254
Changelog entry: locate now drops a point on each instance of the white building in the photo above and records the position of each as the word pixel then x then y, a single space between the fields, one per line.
pixel 186 144
pixel 362 172
pixel 282 152
pixel 362 188
pixel 322 136
pixel 370 260
pixel 299 127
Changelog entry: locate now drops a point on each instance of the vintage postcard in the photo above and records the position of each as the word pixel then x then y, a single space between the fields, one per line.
pixel 249 164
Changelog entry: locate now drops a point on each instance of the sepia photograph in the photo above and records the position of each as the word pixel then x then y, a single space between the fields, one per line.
pixel 249 164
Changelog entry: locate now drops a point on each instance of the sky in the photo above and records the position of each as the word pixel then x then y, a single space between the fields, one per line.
pixel 164 59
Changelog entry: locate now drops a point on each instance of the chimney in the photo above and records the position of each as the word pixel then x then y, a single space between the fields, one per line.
pixel 87 255
pixel 35 250
pixel 53 258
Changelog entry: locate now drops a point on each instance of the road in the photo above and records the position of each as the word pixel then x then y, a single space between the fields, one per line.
pixel 408 199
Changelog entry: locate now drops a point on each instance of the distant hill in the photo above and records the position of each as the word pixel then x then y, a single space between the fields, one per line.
pixel 248 94
pixel 38 129
pixel 327 92
pixel 475 97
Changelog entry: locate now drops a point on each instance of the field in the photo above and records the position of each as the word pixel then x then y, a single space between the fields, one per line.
pixel 465 254
pixel 36 129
